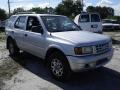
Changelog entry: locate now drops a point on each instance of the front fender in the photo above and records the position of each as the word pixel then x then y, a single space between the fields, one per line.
pixel 55 46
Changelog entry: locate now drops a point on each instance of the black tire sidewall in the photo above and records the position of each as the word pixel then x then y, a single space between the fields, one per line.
pixel 15 49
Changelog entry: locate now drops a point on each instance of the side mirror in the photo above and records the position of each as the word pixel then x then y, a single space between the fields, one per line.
pixel 37 29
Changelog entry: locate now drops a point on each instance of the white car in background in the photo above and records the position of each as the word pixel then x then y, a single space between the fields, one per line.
pixel 89 22
pixel 109 24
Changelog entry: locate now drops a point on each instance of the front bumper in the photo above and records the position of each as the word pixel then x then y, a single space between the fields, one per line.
pixel 82 63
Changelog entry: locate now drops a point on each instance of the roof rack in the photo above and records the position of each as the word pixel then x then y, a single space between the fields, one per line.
pixel 83 12
pixel 26 13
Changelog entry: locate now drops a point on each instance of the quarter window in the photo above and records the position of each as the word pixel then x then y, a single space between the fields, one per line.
pixel 10 21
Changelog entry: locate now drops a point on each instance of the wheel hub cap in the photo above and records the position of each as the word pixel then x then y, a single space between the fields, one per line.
pixel 57 67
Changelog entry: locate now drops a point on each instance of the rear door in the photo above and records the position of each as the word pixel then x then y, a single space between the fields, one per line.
pixel 84 22
pixel 96 24
pixel 19 28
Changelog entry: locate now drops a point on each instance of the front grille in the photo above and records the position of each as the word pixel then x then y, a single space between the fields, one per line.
pixel 102 48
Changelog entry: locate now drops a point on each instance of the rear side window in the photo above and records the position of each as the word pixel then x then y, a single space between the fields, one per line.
pixel 13 18
pixel 84 18
pixel 21 22
pixel 10 21
pixel 95 18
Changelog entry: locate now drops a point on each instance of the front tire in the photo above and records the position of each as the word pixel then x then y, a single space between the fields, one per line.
pixel 59 66
pixel 13 49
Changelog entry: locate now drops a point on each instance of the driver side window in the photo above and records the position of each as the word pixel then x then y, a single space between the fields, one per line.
pixel 32 22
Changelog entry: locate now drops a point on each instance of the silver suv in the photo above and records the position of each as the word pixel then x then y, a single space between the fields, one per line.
pixel 59 41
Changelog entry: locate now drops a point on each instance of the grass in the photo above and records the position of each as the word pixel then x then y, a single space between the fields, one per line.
pixel 2 35
pixel 8 68
pixel 2 30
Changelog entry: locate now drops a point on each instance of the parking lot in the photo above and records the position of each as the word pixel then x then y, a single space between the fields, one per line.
pixel 27 72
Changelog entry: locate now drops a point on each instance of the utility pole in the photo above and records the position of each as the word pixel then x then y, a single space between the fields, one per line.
pixel 82 4
pixel 9 7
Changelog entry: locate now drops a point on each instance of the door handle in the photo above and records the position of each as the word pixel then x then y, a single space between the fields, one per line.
pixel 26 35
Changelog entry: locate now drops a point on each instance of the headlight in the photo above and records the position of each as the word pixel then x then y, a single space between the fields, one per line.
pixel 83 50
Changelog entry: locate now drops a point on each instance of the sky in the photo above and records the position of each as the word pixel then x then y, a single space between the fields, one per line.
pixel 28 4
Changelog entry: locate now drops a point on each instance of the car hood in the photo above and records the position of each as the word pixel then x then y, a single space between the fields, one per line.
pixel 78 37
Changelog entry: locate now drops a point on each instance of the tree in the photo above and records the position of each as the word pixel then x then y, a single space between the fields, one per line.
pixel 65 8
pixel 77 7
pixel 103 11
pixel 42 10
pixel 37 10
pixel 114 17
pixel 69 8
pixel 17 10
pixel 3 14
pixel 90 9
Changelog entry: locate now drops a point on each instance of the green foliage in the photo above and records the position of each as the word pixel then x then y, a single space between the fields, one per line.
pixel 77 8
pixel 103 11
pixel 42 10
pixel 17 10
pixel 114 17
pixel 65 8
pixel 3 14
pixel 38 10
pixel 69 8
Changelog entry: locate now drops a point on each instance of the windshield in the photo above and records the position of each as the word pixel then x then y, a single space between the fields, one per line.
pixel 59 24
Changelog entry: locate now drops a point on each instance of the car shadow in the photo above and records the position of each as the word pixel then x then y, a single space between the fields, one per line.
pixel 100 79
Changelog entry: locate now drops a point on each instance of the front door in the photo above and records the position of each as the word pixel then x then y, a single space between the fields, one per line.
pixel 96 24
pixel 34 42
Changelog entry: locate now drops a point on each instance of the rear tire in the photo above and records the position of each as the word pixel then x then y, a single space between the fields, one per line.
pixel 13 49
pixel 59 66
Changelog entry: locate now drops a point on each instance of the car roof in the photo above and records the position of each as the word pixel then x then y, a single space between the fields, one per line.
pixel 82 13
